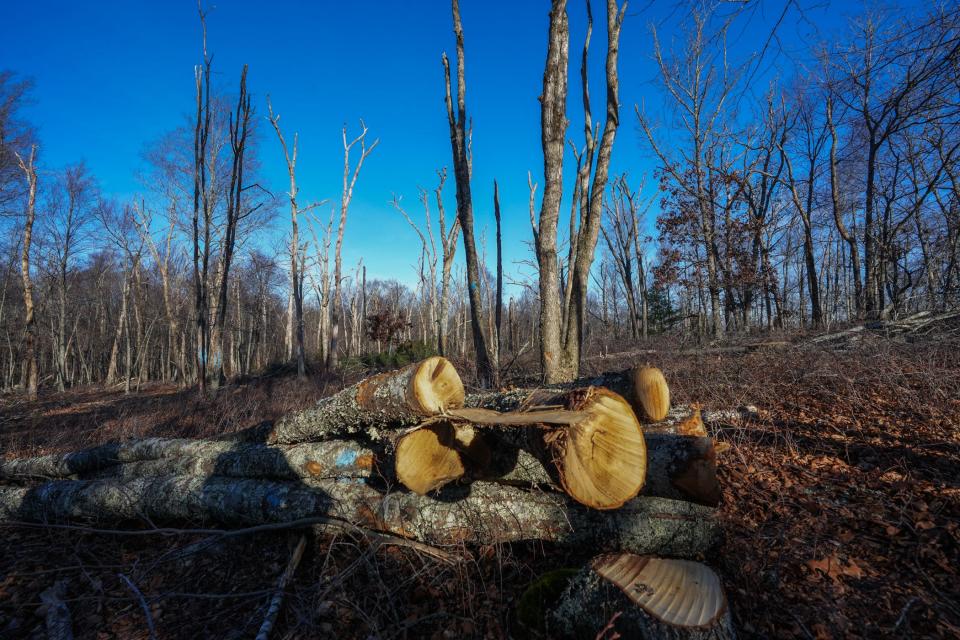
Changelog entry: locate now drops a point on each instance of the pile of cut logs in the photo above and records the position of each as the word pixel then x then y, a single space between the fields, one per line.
pixel 409 456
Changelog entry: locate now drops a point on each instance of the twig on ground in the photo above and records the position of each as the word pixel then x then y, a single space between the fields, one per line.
pixel 143 605
pixel 277 600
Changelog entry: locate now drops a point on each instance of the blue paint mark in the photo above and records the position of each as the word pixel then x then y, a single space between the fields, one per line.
pixel 346 458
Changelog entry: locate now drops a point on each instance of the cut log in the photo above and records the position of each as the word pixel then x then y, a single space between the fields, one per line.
pixel 395 399
pixel 490 514
pixel 651 393
pixel 643 598
pixel 678 467
pixel 589 439
pixel 164 456
pixel 438 453
pixel 682 467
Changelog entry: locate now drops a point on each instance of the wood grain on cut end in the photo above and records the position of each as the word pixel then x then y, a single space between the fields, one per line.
pixel 435 386
pixel 602 459
pixel 651 393
pixel 427 458
pixel 681 593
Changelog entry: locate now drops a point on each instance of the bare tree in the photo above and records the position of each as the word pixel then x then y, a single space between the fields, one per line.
pixel 561 360
pixel 201 207
pixel 349 181
pixel 296 273
pixel 698 84
pixel 30 366
pixel 74 196
pixel 553 126
pixel 237 210
pixel 462 170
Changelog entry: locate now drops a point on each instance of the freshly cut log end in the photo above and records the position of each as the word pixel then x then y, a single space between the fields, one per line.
pixel 372 407
pixel 427 458
pixel 654 597
pixel 681 593
pixel 602 458
pixel 435 386
pixel 652 393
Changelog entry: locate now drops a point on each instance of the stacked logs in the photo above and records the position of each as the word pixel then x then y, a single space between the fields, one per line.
pixel 408 454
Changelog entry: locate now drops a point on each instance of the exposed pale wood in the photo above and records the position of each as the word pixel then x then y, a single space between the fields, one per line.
pixel 643 598
pixel 651 393
pixel 429 458
pixel 488 514
pixel 589 439
pixel 395 399
pixel 679 467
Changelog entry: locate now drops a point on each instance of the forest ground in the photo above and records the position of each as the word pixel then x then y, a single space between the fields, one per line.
pixel 841 509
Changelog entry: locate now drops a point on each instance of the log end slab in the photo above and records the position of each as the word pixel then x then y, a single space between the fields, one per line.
pixel 643 598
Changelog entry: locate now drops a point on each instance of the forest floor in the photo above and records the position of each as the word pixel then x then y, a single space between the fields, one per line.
pixel 841 509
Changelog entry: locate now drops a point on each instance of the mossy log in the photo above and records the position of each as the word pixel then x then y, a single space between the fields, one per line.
pixel 636 597
pixel 399 398
pixel 489 514
pixel 589 439
pixel 162 456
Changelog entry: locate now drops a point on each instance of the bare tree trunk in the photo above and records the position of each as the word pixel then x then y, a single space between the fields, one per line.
pixel 553 126
pixel 30 364
pixel 348 184
pixel 296 276
pixel 462 170
pixel 590 220
pixel 498 342
pixel 201 204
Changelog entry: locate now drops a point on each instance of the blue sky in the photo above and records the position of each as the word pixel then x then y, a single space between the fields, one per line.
pixel 112 76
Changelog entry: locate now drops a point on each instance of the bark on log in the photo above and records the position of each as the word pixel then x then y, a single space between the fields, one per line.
pixel 589 439
pixel 679 467
pixel 683 468
pixel 490 514
pixel 395 399
pixel 163 456
pixel 643 598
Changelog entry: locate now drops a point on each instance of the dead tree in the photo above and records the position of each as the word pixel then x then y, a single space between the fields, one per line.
pixel 349 181
pixel 449 241
pixel 30 364
pixel 625 246
pixel 553 126
pixel 296 273
pixel 462 170
pixel 498 323
pixel 235 214
pixel 201 207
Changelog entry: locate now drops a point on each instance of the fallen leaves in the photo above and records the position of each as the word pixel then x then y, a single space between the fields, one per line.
pixel 834 567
